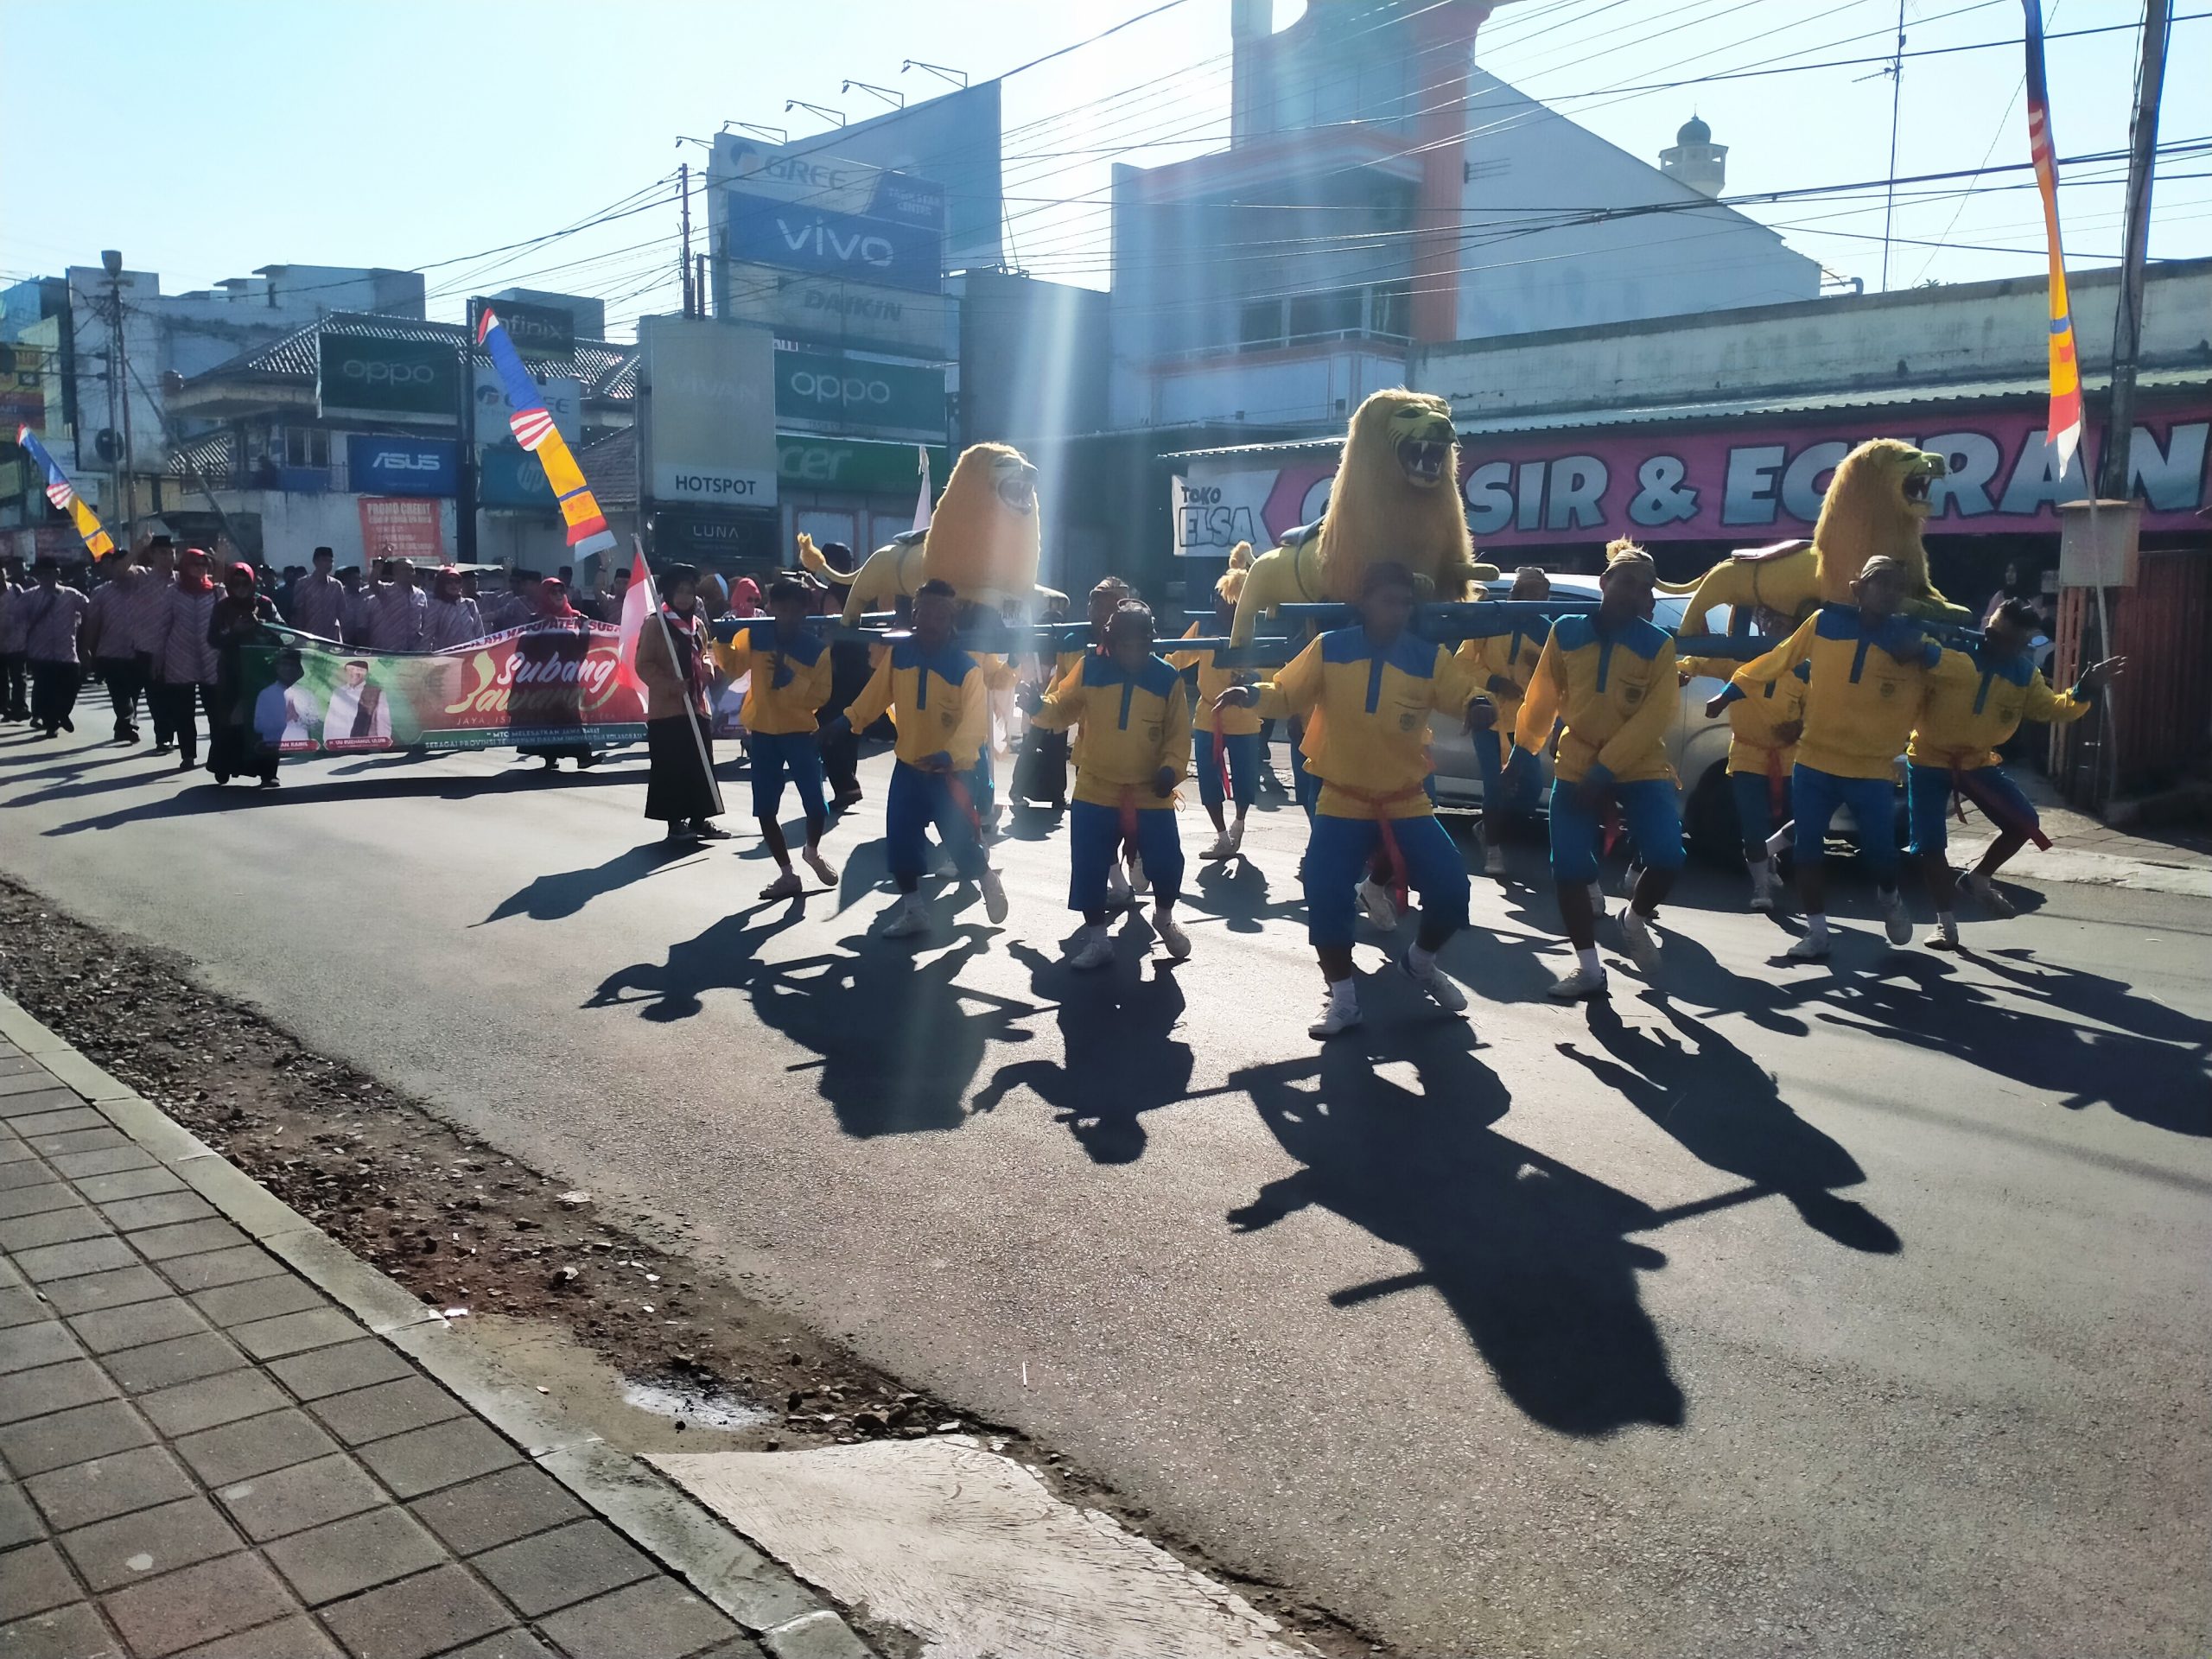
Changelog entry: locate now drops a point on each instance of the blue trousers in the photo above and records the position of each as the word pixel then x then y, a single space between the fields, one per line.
pixel 918 799
pixel 1094 838
pixel 1928 804
pixel 1337 861
pixel 1813 797
pixel 1651 812
pixel 778 755
pixel 1754 815
pixel 1244 751
pixel 1303 784
pixel 1508 785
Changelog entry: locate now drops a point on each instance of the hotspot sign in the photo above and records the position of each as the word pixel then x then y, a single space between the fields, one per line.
pixel 386 379
pixel 707 411
pixel 377 465
pixel 852 394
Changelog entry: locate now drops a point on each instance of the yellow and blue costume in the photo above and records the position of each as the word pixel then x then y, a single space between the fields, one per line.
pixel 1864 685
pixel 1238 749
pixel 941 706
pixel 1367 708
pixel 1974 702
pixel 1758 760
pixel 1501 667
pixel 1128 728
pixel 1618 691
pixel 790 681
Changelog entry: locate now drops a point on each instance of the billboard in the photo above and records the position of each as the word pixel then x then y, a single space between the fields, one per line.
pixel 827 311
pixel 707 414
pixel 380 465
pixel 536 330
pixel 563 395
pixel 1671 484
pixel 402 527
pixel 508 475
pixel 386 379
pixel 855 465
pixel 851 394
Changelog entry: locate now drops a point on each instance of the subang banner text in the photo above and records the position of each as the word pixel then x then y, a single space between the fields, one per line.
pixel 1528 489
pixel 542 685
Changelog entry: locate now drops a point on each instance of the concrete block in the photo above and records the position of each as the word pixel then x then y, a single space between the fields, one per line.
pixel 230 1266
pixel 333 1371
pixel 115 1289
pixel 82 1075
pixel 110 1330
pixel 381 1303
pixel 357 1554
pixel 34 1579
pixel 52 1387
pixel 424 1459
pixel 160 1135
pixel 818 1636
pixel 116 1485
pixel 163 1364
pixel 183 1608
pixel 658 1619
pixel 191 1238
pixel 248 1203
pixel 160 1540
pixel 156 1209
pixel 426 1614
pixel 388 1408
pixel 498 1508
pixel 257 1298
pixel 306 1495
pixel 61 1437
pixel 552 1569
pixel 254 1445
pixel 68 1260
pixel 212 1401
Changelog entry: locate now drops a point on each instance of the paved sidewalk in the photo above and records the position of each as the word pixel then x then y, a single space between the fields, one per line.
pixel 204 1454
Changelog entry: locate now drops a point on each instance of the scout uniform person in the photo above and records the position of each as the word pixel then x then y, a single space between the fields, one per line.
pixel 936 697
pixel 1501 667
pixel 1764 720
pixel 790 669
pixel 1610 676
pixel 1976 700
pixel 1228 739
pixel 1865 671
pixel 1374 686
pixel 1132 717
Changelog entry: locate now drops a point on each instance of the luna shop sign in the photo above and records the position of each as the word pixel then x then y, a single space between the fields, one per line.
pixel 538 685
pixel 1532 489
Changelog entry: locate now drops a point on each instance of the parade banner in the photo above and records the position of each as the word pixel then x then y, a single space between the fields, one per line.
pixel 1690 483
pixel 63 494
pixel 544 685
pixel 2064 426
pixel 537 430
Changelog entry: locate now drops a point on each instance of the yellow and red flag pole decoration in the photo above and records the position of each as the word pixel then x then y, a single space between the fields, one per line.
pixel 534 429
pixel 63 494
pixel 2065 433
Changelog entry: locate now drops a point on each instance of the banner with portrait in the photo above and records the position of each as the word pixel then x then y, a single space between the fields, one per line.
pixel 545 685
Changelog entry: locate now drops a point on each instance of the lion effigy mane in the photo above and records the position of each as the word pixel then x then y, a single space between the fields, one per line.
pixel 1375 512
pixel 1876 503
pixel 987 546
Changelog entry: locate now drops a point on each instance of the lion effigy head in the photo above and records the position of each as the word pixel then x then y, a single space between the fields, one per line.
pixel 983 538
pixel 1396 497
pixel 1876 504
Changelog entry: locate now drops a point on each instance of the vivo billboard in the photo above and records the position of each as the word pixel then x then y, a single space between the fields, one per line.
pixel 707 411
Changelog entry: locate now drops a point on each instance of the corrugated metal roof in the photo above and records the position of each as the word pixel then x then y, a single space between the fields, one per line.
pixel 607 370
pixel 1964 391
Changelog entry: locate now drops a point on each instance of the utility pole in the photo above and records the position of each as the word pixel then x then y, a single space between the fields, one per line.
pixel 699 284
pixel 1889 190
pixel 692 307
pixel 2128 322
pixel 126 487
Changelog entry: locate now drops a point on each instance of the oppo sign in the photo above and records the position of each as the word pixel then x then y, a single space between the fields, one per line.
pixel 366 375
pixel 849 393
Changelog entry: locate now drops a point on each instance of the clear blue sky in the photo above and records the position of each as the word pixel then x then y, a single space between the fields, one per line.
pixel 403 132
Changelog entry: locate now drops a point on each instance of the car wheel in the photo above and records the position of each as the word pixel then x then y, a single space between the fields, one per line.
pixel 1712 819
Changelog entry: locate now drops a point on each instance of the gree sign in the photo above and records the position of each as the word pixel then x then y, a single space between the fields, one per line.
pixel 854 395
pixel 359 374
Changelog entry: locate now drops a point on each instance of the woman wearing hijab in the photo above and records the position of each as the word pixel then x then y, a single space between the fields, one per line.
pixel 451 617
pixel 673 662
pixel 185 662
pixel 745 597
pixel 237 619
pixel 549 698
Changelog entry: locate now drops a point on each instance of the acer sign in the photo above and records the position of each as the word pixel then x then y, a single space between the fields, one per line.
pixel 388 379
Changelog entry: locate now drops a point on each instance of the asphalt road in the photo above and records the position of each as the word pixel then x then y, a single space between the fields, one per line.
pixel 1858 1311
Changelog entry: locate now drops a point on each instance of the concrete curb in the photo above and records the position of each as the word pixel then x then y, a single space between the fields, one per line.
pixel 789 1619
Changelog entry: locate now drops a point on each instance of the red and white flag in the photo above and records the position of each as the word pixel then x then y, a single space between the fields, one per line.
pixel 641 605
pixel 922 505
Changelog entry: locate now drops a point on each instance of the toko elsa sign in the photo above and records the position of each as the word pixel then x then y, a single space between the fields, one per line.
pixel 1671 485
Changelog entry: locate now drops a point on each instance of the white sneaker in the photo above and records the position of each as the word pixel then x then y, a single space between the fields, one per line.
pixel 1093 948
pixel 1945 935
pixel 1224 845
pixel 1808 948
pixel 1172 939
pixel 1763 885
pixel 1138 881
pixel 1375 900
pixel 1895 922
pixel 1578 986
pixel 820 866
pixel 1117 886
pixel 787 886
pixel 1986 895
pixel 1235 834
pixel 994 895
pixel 1493 860
pixel 908 917
pixel 1444 993
pixel 1598 906
pixel 1636 934
pixel 1337 1013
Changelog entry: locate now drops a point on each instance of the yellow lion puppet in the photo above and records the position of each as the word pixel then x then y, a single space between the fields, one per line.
pixel 983 538
pixel 1396 497
pixel 1876 503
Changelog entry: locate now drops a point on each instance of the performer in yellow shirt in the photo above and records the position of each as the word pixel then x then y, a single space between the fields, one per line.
pixel 790 665
pixel 1132 715
pixel 1764 723
pixel 1611 676
pixel 1865 666
pixel 1228 739
pixel 936 697
pixel 1975 702
pixel 1501 667
pixel 1040 773
pixel 1373 687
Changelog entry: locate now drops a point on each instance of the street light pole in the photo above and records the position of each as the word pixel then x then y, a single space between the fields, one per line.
pixel 126 489
pixel 2135 248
